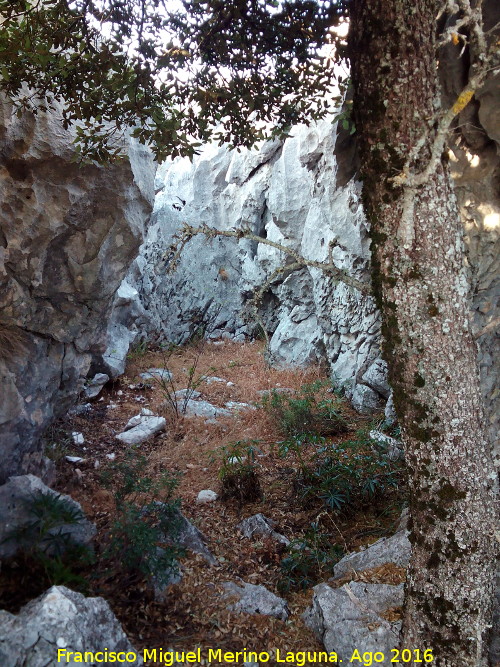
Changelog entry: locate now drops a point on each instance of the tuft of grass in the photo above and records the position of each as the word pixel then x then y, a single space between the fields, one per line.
pixel 238 474
pixel 307 412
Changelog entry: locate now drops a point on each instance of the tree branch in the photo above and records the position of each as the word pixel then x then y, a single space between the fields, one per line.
pixel 188 232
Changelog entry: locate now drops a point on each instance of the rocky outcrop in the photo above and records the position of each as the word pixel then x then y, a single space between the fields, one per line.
pixel 302 193
pixel 63 621
pixel 286 193
pixel 68 235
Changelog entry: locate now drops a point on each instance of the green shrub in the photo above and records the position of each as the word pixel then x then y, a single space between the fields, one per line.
pixel 352 475
pixel 142 535
pixel 305 413
pixel 308 560
pixel 238 474
pixel 46 538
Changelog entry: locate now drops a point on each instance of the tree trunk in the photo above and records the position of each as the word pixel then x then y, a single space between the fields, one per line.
pixel 419 279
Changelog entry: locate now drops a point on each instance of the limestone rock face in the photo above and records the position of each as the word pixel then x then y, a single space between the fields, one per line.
pixel 68 236
pixel 288 194
pixel 61 619
pixel 302 193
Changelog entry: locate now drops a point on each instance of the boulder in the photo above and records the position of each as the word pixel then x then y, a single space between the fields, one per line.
pixel 193 539
pixel 395 549
pixel 63 620
pixel 94 386
pixel 145 429
pixel 17 513
pixel 349 618
pixel 256 600
pixel 69 234
pixel 204 409
pixel 258 524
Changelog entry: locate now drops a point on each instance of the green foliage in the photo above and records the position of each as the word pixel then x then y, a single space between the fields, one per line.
pixel 142 535
pixel 352 475
pixel 305 413
pixel 138 349
pixel 46 538
pixel 141 64
pixel 202 325
pixel 308 560
pixel 238 471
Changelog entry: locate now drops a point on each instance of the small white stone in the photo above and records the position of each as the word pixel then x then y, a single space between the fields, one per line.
pixel 97 463
pixel 61 642
pixel 78 438
pixel 206 496
pixel 111 457
pixel 74 459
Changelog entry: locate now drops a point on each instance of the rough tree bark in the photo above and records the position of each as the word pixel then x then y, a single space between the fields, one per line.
pixel 419 279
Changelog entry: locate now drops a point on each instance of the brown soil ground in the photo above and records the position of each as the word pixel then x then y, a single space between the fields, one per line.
pixel 194 613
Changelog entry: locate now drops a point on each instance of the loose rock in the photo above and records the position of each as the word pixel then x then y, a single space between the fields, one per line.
pixel 16 497
pixel 60 619
pixel 348 618
pixel 256 600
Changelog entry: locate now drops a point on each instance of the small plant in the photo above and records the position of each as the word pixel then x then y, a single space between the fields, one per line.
pixel 305 413
pixel 177 400
pixel 238 472
pixel 48 539
pixel 138 349
pixel 142 536
pixel 308 559
pixel 352 475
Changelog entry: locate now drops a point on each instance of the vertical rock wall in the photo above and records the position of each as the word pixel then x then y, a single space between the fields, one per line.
pixel 287 193
pixel 68 234
pixel 301 193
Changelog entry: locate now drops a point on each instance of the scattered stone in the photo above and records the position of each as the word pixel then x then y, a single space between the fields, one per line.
pixel 138 419
pixel 258 524
pixel 16 495
pixel 256 600
pixel 160 374
pixel 236 406
pixel 213 378
pixel 60 619
pixel 277 390
pixel 78 438
pixel 81 409
pixel 393 447
pixel 347 618
pixel 205 409
pixel 74 459
pixel 111 456
pixel 191 393
pixel 94 386
pixel 193 539
pixel 206 496
pixel 147 428
pixel 395 549
pixel 97 464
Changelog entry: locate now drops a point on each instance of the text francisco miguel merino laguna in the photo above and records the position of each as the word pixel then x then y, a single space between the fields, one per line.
pixel 198 656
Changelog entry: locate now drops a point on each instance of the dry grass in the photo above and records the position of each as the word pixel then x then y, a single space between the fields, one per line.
pixel 194 613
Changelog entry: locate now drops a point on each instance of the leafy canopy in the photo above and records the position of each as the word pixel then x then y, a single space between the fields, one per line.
pixel 177 73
